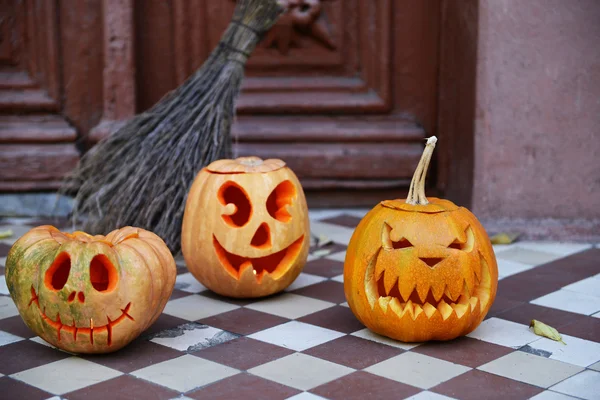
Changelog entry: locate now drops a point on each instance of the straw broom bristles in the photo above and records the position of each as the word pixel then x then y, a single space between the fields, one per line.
pixel 140 175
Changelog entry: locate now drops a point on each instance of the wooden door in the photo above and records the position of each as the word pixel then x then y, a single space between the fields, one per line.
pixel 37 144
pixel 343 90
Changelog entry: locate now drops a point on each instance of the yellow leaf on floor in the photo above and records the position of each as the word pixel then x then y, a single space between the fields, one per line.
pixel 504 238
pixel 541 329
pixel 324 240
pixel 320 253
pixel 6 234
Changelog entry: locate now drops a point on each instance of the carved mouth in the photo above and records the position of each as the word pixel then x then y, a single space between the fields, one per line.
pixel 75 330
pixel 275 264
pixel 445 302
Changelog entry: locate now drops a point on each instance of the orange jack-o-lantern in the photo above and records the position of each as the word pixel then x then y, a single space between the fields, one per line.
pixel 89 294
pixel 420 269
pixel 245 228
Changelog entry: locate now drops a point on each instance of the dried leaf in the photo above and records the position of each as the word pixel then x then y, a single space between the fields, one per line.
pixel 541 329
pixel 323 241
pixel 320 253
pixel 6 234
pixel 504 238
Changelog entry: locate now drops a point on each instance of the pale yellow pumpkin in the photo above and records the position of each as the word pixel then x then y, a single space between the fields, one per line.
pixel 245 228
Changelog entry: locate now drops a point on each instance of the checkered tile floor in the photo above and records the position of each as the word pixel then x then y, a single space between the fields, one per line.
pixel 306 344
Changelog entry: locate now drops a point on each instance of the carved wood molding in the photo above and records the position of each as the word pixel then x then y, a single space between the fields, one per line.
pixel 323 56
pixel 29 65
pixel 119 67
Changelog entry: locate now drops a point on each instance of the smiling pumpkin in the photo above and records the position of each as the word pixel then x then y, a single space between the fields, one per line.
pixel 245 227
pixel 90 294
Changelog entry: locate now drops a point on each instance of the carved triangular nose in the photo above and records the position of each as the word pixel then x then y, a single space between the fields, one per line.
pixel 431 261
pixel 262 237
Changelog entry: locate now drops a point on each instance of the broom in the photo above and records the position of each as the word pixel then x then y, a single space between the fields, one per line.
pixel 140 175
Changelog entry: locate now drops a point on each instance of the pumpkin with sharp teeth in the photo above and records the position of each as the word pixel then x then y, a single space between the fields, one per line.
pixel 420 269
pixel 245 227
pixel 90 294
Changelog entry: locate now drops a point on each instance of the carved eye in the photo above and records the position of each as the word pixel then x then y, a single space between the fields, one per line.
pixel 281 197
pixel 58 273
pixel 390 244
pixel 231 193
pixel 466 244
pixel 103 274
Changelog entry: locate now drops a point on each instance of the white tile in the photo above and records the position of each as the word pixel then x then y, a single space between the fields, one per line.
pixel 304 280
pixel 429 396
pixel 7 307
pixel 562 249
pixel 3 286
pixel 296 335
pixel 41 341
pixel 54 398
pixel 187 283
pixel 339 256
pixel 585 385
pixel 526 256
pixel 595 367
pixel 417 370
pixel 504 333
pixel 345 304
pixel 2 261
pixel 80 373
pixel 589 286
pixel 370 335
pixel 597 315
pixel 196 307
pixel 306 396
pixel 499 248
pixel 338 234
pixel 301 371
pixel 185 373
pixel 8 338
pixel 195 337
pixel 507 268
pixel 339 278
pixel 532 369
pixel 289 305
pixel 577 351
pixel 567 300
pixel 550 395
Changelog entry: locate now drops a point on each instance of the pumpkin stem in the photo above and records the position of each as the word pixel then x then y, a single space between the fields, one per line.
pixel 416 194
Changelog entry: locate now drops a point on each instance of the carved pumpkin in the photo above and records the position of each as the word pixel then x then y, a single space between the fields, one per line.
pixel 420 269
pixel 245 228
pixel 89 294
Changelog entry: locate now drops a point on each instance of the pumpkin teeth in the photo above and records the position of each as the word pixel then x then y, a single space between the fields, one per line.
pixel 417 310
pixel 395 306
pixel 445 310
pixel 383 302
pixel 459 309
pixel 409 308
pixel 422 292
pixel 473 301
pixel 405 288
pixel 389 281
pixel 438 291
pixel 429 310
pixel 454 289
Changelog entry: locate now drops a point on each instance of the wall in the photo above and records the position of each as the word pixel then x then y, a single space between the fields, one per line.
pixel 537 115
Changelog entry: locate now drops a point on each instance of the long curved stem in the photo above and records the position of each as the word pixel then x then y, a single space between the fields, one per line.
pixel 416 194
